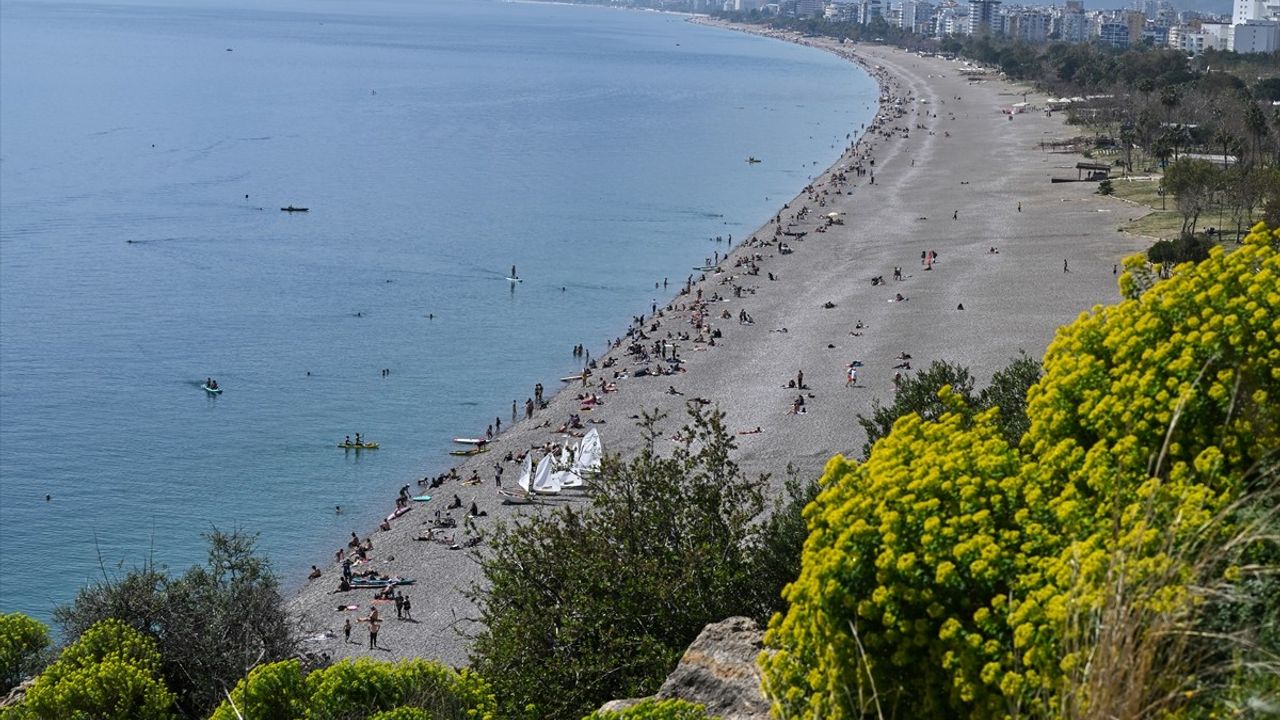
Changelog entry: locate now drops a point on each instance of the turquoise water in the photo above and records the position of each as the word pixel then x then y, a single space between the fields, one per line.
pixel 436 143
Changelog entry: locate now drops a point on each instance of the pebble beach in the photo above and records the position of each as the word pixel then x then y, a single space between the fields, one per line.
pixel 936 235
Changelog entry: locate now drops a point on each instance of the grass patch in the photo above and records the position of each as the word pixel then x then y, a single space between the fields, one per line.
pixel 1161 224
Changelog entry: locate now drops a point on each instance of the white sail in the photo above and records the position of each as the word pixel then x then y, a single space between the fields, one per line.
pixel 527 473
pixel 569 477
pixel 544 480
pixel 590 453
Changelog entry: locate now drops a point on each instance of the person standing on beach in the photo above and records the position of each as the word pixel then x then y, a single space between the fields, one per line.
pixel 346 631
pixel 1065 269
pixel 374 622
pixel 528 408
pixel 513 412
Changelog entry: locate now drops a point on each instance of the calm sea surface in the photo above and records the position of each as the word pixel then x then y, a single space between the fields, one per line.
pixel 145 151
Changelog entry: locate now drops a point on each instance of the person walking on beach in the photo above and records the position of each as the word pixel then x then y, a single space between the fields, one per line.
pixel 346 631
pixel 1065 269
pixel 408 608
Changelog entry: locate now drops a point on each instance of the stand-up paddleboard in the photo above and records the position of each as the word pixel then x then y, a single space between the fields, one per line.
pixel 398 512
pixel 513 277
pixel 421 498
pixel 211 390
pixel 470 441
pixel 572 378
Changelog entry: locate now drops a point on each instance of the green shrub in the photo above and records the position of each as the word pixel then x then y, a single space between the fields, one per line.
pixel 586 605
pixel 655 710
pixel 110 673
pixel 953 574
pixel 362 688
pixel 1106 188
pixel 22 645
pixel 212 624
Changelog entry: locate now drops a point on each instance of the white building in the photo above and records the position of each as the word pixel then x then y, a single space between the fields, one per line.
pixel 1256 36
pixel 809 8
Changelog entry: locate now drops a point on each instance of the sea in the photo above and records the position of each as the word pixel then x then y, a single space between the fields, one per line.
pixel 146 151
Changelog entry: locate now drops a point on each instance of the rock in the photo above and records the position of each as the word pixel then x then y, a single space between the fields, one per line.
pixel 719 672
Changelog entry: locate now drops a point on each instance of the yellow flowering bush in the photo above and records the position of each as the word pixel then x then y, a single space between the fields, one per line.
pixel 941 575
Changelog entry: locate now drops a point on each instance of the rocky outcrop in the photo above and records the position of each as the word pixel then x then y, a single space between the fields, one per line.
pixel 719 672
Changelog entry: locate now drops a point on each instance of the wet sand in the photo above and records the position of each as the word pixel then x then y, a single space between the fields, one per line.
pixel 953 187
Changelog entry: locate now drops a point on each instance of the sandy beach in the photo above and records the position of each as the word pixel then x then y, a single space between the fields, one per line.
pixel 941 170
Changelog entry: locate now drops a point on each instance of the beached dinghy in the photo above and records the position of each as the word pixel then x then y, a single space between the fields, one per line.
pixel 470 441
pixel 519 495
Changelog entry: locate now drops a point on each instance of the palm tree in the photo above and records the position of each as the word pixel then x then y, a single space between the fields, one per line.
pixel 1256 123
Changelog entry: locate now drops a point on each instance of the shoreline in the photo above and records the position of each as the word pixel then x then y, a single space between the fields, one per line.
pixel 740 366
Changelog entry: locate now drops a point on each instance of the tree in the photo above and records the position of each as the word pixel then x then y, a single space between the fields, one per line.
pixel 111 672
pixel 22 645
pixel 1192 183
pixel 580 607
pixel 212 624
pixel 920 395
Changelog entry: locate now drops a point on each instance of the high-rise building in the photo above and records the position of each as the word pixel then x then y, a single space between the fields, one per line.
pixel 1114 33
pixel 809 8
pixel 983 16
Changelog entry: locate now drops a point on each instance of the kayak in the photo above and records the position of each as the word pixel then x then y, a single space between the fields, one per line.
pixel 361 446
pixel 470 441
pixel 211 390
pixel 472 451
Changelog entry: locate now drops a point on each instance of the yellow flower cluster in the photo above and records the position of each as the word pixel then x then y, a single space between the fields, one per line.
pixel 940 574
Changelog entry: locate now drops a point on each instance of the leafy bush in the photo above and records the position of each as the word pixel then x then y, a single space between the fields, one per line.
pixel 362 688
pixel 111 672
pixel 1106 188
pixel 655 710
pixel 22 645
pixel 212 624
pixel 953 574
pixel 919 394
pixel 585 606
pixel 1188 248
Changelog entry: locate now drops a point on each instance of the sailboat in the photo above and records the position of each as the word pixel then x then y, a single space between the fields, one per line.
pixel 545 481
pixel 569 478
pixel 520 495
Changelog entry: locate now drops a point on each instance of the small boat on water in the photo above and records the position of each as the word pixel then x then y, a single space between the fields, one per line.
pixel 753 160
pixel 292 209
pixel 358 446
pixel 211 390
